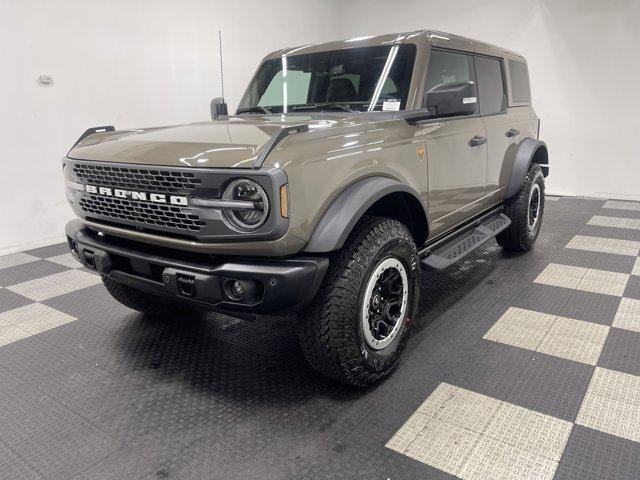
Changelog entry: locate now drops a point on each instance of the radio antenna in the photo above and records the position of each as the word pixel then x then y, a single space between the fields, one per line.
pixel 221 67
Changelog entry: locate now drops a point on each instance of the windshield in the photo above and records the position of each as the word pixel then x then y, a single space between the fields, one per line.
pixel 357 79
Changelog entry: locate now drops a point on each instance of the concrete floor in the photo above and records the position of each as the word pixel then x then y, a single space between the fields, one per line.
pixel 521 366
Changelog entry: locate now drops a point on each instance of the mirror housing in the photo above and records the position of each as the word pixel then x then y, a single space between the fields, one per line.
pixel 452 99
pixel 218 108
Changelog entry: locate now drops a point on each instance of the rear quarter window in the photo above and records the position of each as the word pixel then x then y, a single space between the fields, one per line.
pixel 519 79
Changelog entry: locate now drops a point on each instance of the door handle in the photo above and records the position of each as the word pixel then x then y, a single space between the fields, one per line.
pixel 477 140
pixel 512 132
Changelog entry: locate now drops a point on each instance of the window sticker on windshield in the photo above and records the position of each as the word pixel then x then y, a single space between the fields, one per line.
pixel 391 105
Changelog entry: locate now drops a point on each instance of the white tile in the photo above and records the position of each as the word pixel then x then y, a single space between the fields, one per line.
pixel 610 416
pixel 54 285
pixel 36 318
pixel 521 328
pixel 605 245
pixel 65 259
pixel 75 279
pixel 16 259
pixel 469 410
pixel 40 289
pixel 607 283
pixel 619 386
pixel 575 340
pixel 11 333
pixel 565 276
pixel 492 459
pixel 442 445
pixel 628 315
pixel 586 279
pixel 604 221
pixel 620 205
pixel 29 320
pixel 611 404
pixel 636 267
pixel 531 431
pixel 475 436
pixel 558 336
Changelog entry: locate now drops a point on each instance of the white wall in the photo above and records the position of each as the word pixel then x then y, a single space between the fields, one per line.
pixel 144 63
pixel 583 61
pixel 119 62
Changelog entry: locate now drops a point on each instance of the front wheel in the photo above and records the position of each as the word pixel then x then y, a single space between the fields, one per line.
pixel 525 211
pixel 357 326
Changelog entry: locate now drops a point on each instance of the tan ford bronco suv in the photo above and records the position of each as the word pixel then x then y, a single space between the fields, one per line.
pixel 347 168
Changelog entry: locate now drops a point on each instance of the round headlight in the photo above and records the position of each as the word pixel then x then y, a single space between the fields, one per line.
pixel 246 219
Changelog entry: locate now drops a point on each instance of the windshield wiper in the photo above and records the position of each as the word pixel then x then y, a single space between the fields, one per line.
pixel 256 109
pixel 323 106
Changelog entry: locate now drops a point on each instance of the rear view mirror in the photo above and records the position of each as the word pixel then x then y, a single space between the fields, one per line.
pixel 452 99
pixel 218 108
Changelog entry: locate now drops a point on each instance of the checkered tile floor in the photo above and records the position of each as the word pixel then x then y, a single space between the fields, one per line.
pixel 521 366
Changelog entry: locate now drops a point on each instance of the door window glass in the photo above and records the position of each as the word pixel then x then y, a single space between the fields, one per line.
pixel 519 76
pixel 447 67
pixel 490 86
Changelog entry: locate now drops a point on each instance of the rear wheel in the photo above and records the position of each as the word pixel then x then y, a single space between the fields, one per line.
pixel 140 301
pixel 357 326
pixel 525 211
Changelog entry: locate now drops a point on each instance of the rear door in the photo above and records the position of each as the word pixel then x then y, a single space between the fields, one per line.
pixel 492 97
pixel 456 170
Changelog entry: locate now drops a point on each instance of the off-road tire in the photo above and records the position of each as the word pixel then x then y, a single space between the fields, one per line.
pixel 140 301
pixel 520 236
pixel 330 329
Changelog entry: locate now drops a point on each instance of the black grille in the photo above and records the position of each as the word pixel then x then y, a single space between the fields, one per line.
pixel 135 178
pixel 159 215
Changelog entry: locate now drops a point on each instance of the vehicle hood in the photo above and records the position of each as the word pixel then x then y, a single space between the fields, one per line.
pixel 231 143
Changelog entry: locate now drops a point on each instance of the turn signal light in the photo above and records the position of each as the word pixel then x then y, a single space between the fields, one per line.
pixel 284 201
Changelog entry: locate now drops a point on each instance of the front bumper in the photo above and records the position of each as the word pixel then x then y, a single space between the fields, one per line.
pixel 281 285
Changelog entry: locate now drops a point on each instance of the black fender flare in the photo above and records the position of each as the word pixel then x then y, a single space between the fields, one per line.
pixel 345 211
pixel 527 150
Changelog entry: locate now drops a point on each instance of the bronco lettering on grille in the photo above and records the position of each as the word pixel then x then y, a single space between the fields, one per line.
pixel 142 196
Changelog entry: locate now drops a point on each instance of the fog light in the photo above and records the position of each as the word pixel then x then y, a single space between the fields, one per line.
pixel 238 290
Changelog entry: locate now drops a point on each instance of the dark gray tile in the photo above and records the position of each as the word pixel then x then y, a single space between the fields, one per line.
pixel 29 271
pixel 33 360
pixel 621 351
pixel 15 468
pixel 49 250
pixel 10 300
pixel 633 287
pixel 617 212
pixel 551 385
pixel 611 232
pixel 590 454
pixel 566 302
pixel 597 260
pixel 492 369
pixel 72 449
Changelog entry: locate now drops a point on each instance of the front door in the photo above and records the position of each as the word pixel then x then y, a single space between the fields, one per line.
pixel 456 150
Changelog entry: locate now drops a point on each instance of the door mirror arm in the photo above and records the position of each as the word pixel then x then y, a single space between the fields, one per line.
pixel 414 117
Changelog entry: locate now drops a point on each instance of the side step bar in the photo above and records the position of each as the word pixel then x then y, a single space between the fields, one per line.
pixel 458 245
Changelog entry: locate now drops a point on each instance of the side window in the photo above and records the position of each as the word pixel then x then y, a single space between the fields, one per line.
pixel 490 86
pixel 447 67
pixel 519 77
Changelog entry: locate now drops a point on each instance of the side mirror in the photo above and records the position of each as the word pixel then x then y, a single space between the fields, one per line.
pixel 452 99
pixel 218 108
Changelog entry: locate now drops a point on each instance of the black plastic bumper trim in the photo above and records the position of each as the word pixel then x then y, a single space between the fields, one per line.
pixel 287 285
